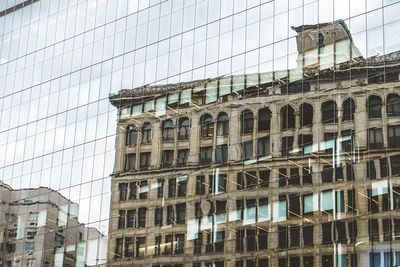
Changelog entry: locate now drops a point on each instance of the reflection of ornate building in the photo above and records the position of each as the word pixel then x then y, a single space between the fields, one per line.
pixel 325 45
pixel 40 228
pixel 255 171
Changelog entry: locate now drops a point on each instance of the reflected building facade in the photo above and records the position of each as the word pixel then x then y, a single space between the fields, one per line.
pixel 288 168
pixel 40 228
pixel 61 59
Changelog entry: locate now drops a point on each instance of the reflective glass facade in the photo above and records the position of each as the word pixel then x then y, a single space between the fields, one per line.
pixel 200 133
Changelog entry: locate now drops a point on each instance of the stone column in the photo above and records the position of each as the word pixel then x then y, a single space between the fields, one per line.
pixel 317 126
pixel 296 131
pixel 119 148
pixel 194 138
pixel 275 131
pixel 234 149
pixel 360 122
pixel 156 145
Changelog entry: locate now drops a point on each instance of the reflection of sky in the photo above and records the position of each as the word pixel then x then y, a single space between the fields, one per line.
pixel 57 127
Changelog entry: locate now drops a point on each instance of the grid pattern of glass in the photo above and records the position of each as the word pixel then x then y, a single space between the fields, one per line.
pixel 203 133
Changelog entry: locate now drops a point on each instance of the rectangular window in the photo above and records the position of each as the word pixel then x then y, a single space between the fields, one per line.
pixel 144 160
pixel 395 165
pixel 130 162
pixel 118 248
pixel 262 239
pixel 171 187
pixel 330 142
pixel 132 190
pixel 340 201
pixel 308 235
pixel 352 231
pixel 294 237
pixel 282 237
pixel 375 138
pixel 373 204
pixel 307 176
pixel 179 243
pixel 123 191
pixel 308 204
pixel 142 217
pixel 327 233
pixel 167 158
pixel 160 188
pixel 200 185
pixel 327 174
pixel 282 177
pixel 327 200
pixel 206 155
pixel 157 246
pixel 198 242
pixel 143 189
pixel 383 162
pixel 31 232
pixel 306 143
pixel 170 215
pixel 373 230
pixel 263 146
pixel 129 247
pixel 264 178
pixel 183 155
pixel 396 198
pixel 251 239
pixel 251 178
pixel 158 216
pixel 341 231
pixel 240 240
pixel 347 140
pixel 169 240
pixel 350 172
pixel 387 229
pixel 240 181
pixel 182 185
pixel 394 136
pixel 294 206
pixel 287 145
pixel 217 184
pixel 294 178
pixel 371 172
pixel 351 200
pixel 221 154
pixel 180 213
pixel 140 247
pixel 130 218
pixel 247 150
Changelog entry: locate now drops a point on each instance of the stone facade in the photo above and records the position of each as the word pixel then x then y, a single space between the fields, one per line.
pixel 40 228
pixel 262 196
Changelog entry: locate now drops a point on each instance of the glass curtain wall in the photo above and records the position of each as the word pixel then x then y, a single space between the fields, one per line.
pixel 199 133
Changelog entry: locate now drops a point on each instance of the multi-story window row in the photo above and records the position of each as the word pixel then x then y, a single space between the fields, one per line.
pixel 297 133
pixel 244 172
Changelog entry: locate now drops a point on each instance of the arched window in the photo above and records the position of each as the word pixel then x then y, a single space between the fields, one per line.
pixel 306 115
pixel 207 126
pixel 146 133
pixel 264 119
pixel 287 117
pixel 374 107
pixel 184 128
pixel 393 105
pixel 246 121
pixel 349 107
pixel 321 43
pixel 329 112
pixel 168 130
pixel 222 124
pixel 131 136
